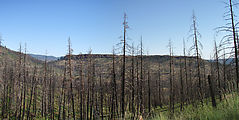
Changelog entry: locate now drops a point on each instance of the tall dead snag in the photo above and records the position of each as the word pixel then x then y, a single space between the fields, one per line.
pixel 196 51
pixel 218 71
pixel 235 41
pixel 71 78
pixel 125 23
pixel 170 78
pixel 229 41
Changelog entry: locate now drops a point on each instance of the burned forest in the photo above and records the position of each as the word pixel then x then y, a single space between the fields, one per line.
pixel 128 82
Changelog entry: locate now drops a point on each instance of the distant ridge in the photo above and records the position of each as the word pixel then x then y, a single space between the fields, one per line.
pixel 42 57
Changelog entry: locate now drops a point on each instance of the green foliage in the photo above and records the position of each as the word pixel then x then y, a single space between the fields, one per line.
pixel 228 109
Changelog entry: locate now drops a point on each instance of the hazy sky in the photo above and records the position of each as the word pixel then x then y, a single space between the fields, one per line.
pixel 97 24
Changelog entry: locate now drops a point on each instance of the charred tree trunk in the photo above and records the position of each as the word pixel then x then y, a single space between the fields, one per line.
pixel 195 33
pixel 123 69
pixel 218 72
pixel 212 92
pixel 71 79
pixel 235 42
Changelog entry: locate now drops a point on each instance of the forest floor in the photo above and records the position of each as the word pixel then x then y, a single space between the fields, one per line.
pixel 227 109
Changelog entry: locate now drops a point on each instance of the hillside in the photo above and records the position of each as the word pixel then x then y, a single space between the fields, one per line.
pixel 105 60
pixel 100 59
pixel 13 56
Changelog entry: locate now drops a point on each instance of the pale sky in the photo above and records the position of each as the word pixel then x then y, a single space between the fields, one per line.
pixel 97 24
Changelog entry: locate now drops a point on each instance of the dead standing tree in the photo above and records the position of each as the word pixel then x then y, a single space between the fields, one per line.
pixel 218 70
pixel 195 49
pixel 70 77
pixel 229 41
pixel 124 46
pixel 170 78
pixel 125 23
pixel 141 77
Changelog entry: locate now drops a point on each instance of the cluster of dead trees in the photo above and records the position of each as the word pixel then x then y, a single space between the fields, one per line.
pixel 128 85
